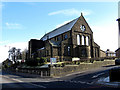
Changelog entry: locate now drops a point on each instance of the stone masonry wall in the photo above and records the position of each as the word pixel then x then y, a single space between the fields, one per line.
pixel 59 71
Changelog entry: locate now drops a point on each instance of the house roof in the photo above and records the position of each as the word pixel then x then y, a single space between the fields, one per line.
pixel 59 30
pixel 102 50
pixel 96 45
pixel 110 52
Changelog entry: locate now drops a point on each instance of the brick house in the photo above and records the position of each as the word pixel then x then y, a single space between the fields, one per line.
pixel 73 40
pixel 110 53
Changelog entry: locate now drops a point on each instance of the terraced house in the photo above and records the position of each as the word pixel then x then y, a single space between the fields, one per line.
pixel 72 41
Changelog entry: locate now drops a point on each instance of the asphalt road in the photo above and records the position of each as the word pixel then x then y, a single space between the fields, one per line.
pixel 85 80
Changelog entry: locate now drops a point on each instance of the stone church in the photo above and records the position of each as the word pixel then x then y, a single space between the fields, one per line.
pixel 72 41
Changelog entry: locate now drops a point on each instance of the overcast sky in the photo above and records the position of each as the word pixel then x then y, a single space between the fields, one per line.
pixel 22 21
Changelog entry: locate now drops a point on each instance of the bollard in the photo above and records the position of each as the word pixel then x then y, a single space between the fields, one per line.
pixel 46 73
pixel 41 73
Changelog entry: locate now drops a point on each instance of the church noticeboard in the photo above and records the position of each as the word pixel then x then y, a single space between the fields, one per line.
pixel 52 60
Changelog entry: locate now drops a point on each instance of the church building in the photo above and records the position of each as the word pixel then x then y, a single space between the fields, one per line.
pixel 72 41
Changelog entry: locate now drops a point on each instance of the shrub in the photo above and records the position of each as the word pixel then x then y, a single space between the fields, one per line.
pixel 43 60
pixel 31 62
pixel 77 62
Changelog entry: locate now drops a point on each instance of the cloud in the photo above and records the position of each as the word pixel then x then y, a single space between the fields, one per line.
pixel 13 25
pixel 70 12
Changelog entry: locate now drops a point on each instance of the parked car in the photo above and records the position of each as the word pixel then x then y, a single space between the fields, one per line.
pixel 117 61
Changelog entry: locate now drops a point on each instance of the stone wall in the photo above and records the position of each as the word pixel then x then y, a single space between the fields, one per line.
pixel 62 71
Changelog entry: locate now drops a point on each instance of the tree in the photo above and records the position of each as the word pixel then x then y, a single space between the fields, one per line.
pixel 18 54
pixel 13 52
pixel 43 60
pixel 24 54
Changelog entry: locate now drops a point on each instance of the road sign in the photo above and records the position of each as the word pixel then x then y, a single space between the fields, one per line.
pixel 52 60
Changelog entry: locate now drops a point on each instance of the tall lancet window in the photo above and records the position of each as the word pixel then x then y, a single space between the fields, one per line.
pixel 83 43
pixel 78 39
pixel 87 41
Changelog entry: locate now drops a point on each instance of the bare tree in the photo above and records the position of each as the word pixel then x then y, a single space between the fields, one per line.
pixel 18 54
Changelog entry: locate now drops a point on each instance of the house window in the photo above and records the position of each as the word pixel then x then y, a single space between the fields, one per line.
pixel 48 37
pixel 65 36
pixel 78 39
pixel 83 52
pixel 87 41
pixel 68 50
pixel 83 40
pixel 58 38
pixel 55 38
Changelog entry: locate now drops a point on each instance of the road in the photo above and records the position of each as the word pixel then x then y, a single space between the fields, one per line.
pixel 81 80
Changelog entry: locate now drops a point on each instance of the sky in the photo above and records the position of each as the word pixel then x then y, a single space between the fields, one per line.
pixel 22 21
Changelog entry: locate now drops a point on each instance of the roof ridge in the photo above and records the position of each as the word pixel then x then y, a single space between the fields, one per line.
pixel 60 27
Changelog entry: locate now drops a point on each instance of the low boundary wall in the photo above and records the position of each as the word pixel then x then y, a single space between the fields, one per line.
pixel 68 69
pixel 62 71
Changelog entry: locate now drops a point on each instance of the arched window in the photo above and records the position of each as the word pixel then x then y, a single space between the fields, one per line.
pixel 66 36
pixel 78 39
pixel 83 40
pixel 87 41
pixel 68 50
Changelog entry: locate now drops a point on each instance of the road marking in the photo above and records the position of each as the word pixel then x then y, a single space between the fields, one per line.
pixel 26 82
pixel 97 75
pixel 16 80
pixel 76 82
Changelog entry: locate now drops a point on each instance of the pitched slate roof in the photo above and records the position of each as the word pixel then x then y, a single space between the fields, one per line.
pixel 96 45
pixel 59 30
pixel 110 52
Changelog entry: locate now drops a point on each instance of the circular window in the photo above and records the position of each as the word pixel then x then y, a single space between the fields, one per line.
pixel 82 27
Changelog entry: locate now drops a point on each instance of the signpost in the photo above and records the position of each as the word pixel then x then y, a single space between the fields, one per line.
pixel 52 60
